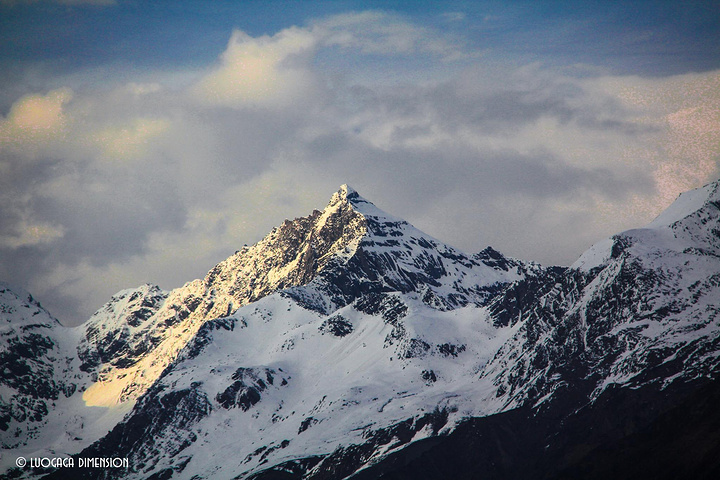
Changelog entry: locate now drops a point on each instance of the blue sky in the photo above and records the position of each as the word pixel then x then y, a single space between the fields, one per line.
pixel 649 37
pixel 146 141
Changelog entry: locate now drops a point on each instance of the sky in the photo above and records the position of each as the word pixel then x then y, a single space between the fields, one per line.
pixel 143 142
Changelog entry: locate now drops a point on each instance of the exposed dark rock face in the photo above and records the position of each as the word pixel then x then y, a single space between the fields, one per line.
pixel 120 343
pixel 161 421
pixel 346 460
pixel 336 325
pixel 247 387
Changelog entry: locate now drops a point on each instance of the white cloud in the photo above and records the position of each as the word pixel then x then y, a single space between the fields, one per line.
pixel 30 234
pixel 34 122
pixel 277 70
pixel 260 71
pixel 454 16
pixel 685 111
pixel 129 141
pixel 379 33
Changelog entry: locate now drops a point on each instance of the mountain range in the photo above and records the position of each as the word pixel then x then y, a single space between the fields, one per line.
pixel 349 344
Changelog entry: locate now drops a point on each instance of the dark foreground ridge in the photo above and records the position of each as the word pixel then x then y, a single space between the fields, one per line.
pixel 626 434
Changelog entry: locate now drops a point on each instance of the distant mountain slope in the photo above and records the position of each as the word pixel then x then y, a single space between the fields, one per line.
pixel 640 308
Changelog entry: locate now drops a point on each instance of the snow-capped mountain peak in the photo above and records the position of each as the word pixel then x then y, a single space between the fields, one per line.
pixel 323 261
pixel 644 300
pixel 348 195
pixel 691 221
pixel 37 361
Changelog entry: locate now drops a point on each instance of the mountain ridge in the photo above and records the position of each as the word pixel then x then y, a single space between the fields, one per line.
pixel 349 229
pixel 352 339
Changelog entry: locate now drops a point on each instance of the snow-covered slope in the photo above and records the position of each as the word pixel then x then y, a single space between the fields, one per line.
pixel 36 359
pixel 344 337
pixel 640 308
pixel 276 382
pixel 41 409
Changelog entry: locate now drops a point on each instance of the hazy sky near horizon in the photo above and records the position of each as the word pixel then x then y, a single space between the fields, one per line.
pixel 143 142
